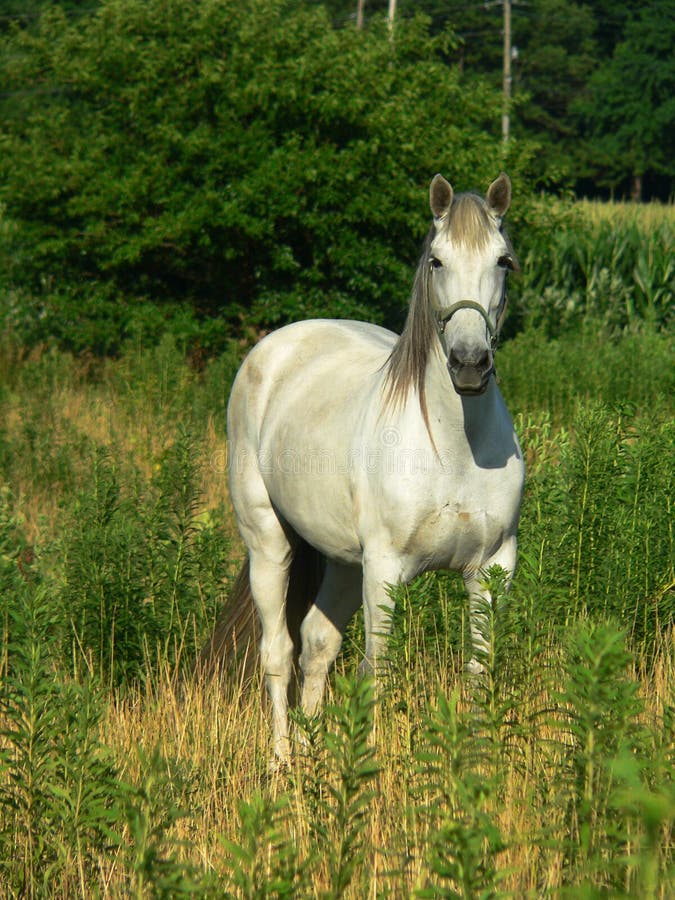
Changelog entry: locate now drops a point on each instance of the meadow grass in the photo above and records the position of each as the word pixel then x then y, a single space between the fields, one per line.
pixel 216 753
pixel 119 775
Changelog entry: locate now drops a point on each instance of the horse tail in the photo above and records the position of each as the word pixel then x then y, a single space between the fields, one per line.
pixel 233 648
pixel 233 645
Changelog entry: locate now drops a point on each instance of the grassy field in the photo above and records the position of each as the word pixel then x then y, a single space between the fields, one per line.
pixel 119 776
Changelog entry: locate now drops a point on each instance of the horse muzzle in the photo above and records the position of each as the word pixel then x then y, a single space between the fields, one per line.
pixel 470 373
pixel 469 381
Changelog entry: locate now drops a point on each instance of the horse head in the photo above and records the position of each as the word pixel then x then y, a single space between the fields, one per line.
pixel 468 262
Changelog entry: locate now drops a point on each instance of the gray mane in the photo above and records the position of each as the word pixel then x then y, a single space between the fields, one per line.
pixel 407 364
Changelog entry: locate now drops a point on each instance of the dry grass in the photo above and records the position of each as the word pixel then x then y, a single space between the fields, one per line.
pixel 77 409
pixel 217 737
pixel 214 742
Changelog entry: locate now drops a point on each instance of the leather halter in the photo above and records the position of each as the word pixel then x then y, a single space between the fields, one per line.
pixel 443 316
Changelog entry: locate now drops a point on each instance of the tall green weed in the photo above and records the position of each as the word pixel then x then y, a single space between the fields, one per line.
pixel 66 809
pixel 596 521
pixel 59 786
pixel 142 567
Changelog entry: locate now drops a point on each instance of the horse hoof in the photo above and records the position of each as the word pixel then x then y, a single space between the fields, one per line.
pixel 473 667
pixel 278 765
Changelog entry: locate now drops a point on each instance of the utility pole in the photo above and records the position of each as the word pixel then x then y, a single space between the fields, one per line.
pixel 359 14
pixel 507 71
pixel 391 14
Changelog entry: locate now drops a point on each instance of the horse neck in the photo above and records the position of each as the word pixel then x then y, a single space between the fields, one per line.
pixel 447 410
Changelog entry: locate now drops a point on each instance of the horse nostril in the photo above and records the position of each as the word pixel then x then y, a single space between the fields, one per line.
pixel 478 358
pixel 483 360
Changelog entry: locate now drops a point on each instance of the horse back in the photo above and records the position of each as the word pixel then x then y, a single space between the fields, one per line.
pixel 314 362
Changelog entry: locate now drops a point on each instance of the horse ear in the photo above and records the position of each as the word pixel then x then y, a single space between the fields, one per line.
pixel 499 195
pixel 440 196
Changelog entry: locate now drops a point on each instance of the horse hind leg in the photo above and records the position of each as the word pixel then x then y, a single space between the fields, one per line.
pixel 269 571
pixel 323 628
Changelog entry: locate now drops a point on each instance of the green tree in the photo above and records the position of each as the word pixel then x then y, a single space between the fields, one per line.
pixel 28 12
pixel 611 18
pixel 241 158
pixel 629 113
pixel 563 52
pixel 556 55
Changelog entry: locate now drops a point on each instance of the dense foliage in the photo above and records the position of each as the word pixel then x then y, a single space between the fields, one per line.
pixel 240 158
pixel 628 111
pixel 218 169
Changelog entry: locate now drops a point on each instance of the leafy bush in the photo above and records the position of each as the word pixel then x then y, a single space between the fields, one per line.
pixel 244 159
pixel 223 168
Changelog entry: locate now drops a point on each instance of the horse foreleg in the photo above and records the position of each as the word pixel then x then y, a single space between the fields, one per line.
pixel 323 628
pixel 474 581
pixel 379 574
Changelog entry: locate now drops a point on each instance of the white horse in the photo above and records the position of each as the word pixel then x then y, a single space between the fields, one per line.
pixel 387 456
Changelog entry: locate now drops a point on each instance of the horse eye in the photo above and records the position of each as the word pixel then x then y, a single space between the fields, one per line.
pixel 435 263
pixel 505 262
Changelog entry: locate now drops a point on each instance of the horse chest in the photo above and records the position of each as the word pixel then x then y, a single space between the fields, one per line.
pixel 453 536
pixel 446 523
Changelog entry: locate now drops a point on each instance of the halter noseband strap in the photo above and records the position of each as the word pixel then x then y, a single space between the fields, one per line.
pixel 443 316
